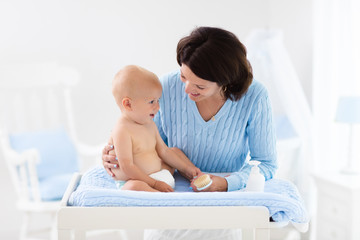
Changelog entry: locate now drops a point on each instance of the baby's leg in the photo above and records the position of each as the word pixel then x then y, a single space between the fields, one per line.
pixel 137 185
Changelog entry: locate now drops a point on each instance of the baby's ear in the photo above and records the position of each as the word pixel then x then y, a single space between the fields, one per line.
pixel 126 102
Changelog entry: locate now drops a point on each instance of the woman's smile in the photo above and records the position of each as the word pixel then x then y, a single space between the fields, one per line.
pixel 195 94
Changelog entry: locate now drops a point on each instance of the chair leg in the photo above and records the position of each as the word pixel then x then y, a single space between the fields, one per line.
pixel 24 231
pixel 53 233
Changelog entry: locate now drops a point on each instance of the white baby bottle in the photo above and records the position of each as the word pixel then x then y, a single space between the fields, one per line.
pixel 256 180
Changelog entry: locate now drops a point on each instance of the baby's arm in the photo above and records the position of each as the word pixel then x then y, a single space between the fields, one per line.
pixel 123 149
pixel 175 158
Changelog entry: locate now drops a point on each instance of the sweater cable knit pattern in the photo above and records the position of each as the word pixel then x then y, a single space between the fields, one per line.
pixel 241 127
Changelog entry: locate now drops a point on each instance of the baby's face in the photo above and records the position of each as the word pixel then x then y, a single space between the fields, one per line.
pixel 145 108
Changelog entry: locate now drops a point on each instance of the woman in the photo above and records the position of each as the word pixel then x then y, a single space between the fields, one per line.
pixel 212 111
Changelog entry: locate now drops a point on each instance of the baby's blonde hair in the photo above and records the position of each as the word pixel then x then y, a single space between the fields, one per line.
pixel 133 81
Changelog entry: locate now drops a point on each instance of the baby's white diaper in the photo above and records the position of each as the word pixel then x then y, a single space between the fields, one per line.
pixel 165 176
pixel 120 184
pixel 162 175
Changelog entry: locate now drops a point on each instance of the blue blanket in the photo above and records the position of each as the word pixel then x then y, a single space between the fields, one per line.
pixel 281 197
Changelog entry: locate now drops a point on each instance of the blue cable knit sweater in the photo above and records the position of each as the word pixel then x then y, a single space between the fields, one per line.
pixel 222 145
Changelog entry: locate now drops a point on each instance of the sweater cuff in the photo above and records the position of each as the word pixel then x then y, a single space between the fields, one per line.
pixel 235 182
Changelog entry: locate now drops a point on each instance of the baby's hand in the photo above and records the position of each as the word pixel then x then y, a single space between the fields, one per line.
pixel 163 187
pixel 192 172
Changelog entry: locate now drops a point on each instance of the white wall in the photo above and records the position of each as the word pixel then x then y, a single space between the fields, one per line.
pixel 98 37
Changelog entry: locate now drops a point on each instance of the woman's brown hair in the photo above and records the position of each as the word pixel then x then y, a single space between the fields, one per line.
pixel 217 55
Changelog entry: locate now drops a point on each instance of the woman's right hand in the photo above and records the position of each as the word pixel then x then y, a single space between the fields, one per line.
pixel 109 161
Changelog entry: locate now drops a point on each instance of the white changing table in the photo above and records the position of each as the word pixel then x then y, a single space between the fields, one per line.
pixel 73 222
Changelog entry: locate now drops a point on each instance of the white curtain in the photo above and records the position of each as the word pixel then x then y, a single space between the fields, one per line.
pixel 336 73
pixel 273 67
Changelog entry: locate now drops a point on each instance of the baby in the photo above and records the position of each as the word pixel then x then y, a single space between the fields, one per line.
pixel 137 143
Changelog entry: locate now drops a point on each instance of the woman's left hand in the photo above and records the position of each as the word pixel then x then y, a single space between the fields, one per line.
pixel 219 184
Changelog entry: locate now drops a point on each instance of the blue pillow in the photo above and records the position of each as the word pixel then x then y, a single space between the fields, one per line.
pixel 53 188
pixel 58 155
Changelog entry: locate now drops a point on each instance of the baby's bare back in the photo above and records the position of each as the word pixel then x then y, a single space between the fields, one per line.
pixel 143 150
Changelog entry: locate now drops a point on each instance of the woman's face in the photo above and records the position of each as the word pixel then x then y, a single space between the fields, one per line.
pixel 197 88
